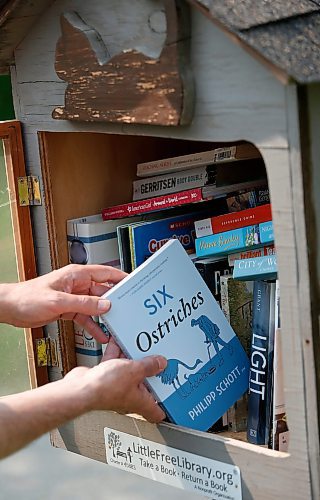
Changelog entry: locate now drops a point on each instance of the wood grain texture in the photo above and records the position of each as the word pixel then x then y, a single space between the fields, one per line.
pixel 10 134
pixel 265 473
pixel 129 87
pixel 237 98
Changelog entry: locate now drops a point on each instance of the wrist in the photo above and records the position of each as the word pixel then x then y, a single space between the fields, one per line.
pixel 76 384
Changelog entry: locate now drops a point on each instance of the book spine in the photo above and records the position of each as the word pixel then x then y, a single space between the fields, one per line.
pixel 219 155
pixel 260 364
pixel 248 199
pixel 257 268
pixel 233 220
pixel 251 254
pixel 229 241
pixel 153 204
pixel 171 183
pixel 176 164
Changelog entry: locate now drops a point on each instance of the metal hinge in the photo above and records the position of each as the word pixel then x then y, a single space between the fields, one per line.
pixel 29 190
pixel 47 352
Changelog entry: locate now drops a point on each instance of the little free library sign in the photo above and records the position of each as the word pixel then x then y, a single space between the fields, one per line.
pixel 184 470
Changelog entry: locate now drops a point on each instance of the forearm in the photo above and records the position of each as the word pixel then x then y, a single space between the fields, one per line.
pixel 7 303
pixel 26 416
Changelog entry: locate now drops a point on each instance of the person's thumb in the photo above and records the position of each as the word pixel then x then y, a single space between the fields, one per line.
pixel 151 366
pixel 84 304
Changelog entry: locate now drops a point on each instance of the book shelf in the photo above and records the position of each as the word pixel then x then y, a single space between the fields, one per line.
pixel 112 158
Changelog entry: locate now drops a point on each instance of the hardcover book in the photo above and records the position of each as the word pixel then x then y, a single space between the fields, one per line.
pixel 231 241
pixel 261 268
pixel 164 307
pixel 219 155
pixel 226 222
pixel 181 198
pixel 261 363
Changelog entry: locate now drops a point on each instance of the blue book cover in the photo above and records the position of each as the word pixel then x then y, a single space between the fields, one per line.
pixel 266 232
pixel 261 268
pixel 231 241
pixel 147 237
pixel 164 307
pixel 261 363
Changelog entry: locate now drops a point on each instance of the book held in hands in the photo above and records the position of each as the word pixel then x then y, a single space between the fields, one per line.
pixel 164 307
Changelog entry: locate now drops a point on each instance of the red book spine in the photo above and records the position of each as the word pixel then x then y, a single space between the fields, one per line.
pixel 243 218
pixel 152 204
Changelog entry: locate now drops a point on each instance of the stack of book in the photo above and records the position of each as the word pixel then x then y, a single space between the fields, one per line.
pixel 216 205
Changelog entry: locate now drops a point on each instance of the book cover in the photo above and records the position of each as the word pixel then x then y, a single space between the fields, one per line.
pixel 261 363
pixel 236 304
pixel 211 271
pixel 148 237
pixel 172 312
pixel 251 254
pixel 91 241
pixel 234 220
pixel 153 204
pixel 280 429
pixel 171 183
pixel 229 241
pixel 219 155
pixel 266 232
pixel 261 268
pixel 248 199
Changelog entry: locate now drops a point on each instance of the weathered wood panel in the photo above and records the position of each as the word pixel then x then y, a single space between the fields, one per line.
pixel 129 87
pixel 236 97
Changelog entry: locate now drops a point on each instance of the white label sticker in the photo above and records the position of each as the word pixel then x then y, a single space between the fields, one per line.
pixel 187 471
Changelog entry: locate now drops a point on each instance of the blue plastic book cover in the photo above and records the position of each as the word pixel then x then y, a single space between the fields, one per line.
pixel 234 240
pixel 164 307
pixel 261 268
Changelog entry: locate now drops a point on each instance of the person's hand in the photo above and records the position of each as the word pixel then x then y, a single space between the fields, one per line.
pixel 72 292
pixel 117 385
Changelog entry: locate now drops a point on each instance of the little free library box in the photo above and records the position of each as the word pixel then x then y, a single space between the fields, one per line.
pixel 97 94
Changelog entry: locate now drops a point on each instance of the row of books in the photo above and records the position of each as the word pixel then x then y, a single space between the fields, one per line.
pixel 229 239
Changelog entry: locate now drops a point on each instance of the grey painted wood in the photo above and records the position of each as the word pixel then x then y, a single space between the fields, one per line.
pixel 236 96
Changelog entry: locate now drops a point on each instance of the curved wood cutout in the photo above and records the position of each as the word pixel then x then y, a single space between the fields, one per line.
pixel 129 87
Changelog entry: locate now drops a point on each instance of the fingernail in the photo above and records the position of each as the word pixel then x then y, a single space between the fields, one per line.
pixel 104 305
pixel 162 362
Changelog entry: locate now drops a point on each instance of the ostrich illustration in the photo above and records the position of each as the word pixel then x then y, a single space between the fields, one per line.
pixel 170 375
pixel 212 334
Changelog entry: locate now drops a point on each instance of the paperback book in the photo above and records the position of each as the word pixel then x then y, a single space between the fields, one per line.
pixel 173 182
pixel 251 254
pixel 91 241
pixel 248 199
pixel 235 240
pixel 236 304
pixel 226 222
pixel 172 312
pixel 230 153
pixel 261 363
pixel 181 198
pixel 261 268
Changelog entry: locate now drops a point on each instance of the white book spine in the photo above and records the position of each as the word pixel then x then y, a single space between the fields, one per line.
pixel 170 183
